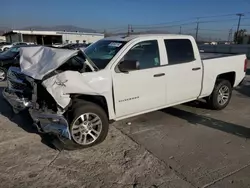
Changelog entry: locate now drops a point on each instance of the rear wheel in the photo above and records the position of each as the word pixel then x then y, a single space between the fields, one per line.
pixel 3 74
pixel 89 126
pixel 221 95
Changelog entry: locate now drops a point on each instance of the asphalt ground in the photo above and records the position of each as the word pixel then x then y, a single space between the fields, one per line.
pixel 183 146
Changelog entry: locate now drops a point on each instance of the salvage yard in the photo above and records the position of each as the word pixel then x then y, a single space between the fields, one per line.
pixel 184 146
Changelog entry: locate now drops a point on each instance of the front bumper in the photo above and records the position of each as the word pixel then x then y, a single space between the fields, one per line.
pixel 50 123
pixel 45 122
pixel 18 103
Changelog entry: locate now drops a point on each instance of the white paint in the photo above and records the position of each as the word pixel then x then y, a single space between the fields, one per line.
pixel 71 37
pixel 216 66
pixel 139 92
pixel 179 85
pixel 39 61
pixel 2 38
pixel 74 37
pixel 62 85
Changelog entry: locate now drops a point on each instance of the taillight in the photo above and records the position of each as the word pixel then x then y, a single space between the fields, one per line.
pixel 245 66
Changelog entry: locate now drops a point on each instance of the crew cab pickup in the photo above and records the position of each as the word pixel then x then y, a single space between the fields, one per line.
pixel 76 94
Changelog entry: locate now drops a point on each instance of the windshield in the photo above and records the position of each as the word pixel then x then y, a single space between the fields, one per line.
pixel 11 52
pixel 101 52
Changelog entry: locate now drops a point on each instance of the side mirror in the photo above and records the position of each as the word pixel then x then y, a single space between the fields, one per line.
pixel 128 65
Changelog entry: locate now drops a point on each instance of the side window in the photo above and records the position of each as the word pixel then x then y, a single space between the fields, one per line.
pixel 179 51
pixel 146 53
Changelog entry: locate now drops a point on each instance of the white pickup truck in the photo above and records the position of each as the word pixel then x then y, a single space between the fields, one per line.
pixel 75 95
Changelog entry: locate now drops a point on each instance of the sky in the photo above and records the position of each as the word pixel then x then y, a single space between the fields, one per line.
pixel 115 15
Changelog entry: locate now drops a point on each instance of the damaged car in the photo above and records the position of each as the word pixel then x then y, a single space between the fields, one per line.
pixel 76 94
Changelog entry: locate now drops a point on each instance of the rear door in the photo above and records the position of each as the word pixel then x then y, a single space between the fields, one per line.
pixel 184 71
pixel 140 90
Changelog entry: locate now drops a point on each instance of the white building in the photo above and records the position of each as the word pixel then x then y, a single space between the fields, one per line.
pixel 51 37
pixel 2 39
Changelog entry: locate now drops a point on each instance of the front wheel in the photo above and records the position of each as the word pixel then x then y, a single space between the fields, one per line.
pixel 3 74
pixel 89 126
pixel 221 95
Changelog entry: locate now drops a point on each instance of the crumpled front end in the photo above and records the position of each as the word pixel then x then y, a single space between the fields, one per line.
pixel 22 94
pixel 18 91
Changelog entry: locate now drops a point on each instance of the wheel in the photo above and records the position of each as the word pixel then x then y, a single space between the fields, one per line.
pixel 221 95
pixel 89 126
pixel 3 74
pixel 5 49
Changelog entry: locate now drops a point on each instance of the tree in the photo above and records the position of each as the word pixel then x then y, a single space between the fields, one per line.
pixel 238 37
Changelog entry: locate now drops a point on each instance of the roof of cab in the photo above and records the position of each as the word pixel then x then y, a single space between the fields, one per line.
pixel 126 38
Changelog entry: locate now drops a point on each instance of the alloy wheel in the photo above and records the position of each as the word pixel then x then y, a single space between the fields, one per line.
pixel 86 128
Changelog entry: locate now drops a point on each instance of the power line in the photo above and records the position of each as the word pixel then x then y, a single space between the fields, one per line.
pixel 118 30
pixel 183 24
pixel 213 21
pixel 175 23
pixel 178 21
pixel 164 26
pixel 164 23
pixel 213 29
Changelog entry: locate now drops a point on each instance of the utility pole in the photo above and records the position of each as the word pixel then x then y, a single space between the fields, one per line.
pixel 180 30
pixel 128 29
pixel 230 35
pixel 237 32
pixel 105 33
pixel 197 30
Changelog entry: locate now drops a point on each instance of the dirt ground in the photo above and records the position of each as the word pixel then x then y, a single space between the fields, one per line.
pixel 180 147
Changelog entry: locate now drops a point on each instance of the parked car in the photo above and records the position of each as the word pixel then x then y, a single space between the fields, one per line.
pixel 4 43
pixel 75 46
pixel 8 46
pixel 9 58
pixel 58 45
pixel 75 95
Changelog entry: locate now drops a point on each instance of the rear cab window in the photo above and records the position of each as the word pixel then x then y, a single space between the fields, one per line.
pixel 179 51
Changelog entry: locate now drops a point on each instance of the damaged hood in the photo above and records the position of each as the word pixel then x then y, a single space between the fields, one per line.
pixel 39 61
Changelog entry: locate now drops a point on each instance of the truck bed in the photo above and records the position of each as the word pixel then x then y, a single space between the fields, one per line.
pixel 206 55
pixel 215 64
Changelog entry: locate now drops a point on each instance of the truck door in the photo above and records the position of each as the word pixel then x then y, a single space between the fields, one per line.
pixel 143 88
pixel 184 71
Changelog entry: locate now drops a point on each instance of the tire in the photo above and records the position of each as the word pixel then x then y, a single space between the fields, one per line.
pixel 5 49
pixel 214 100
pixel 78 109
pixel 3 74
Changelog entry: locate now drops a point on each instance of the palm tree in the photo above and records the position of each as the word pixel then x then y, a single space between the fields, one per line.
pixel 238 37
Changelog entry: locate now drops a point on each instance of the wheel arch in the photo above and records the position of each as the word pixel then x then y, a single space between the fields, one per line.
pixel 97 99
pixel 230 76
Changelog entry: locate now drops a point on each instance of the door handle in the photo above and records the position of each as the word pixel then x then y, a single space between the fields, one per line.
pixel 160 74
pixel 196 68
